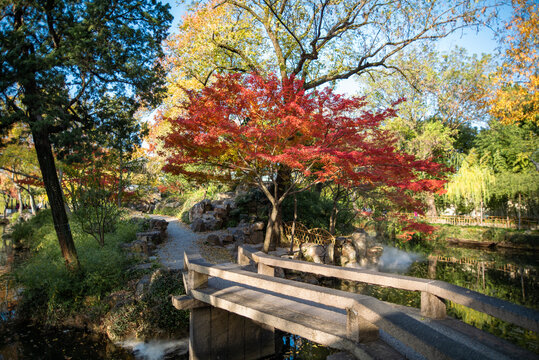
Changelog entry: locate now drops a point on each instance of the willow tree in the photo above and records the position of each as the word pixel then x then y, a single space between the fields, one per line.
pixel 59 57
pixel 472 183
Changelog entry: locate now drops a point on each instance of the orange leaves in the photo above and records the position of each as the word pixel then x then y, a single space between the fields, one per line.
pixel 516 95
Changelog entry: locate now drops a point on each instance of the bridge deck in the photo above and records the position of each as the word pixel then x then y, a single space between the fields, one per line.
pixel 325 324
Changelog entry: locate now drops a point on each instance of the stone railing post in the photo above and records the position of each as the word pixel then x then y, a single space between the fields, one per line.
pixel 194 279
pixel 358 329
pixel 264 269
pixel 243 260
pixel 432 306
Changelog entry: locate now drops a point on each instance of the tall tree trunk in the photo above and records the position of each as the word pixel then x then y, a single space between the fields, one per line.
pixel 19 199
pixel 333 218
pixel 56 199
pixel 519 212
pixel 120 185
pixel 32 202
pixel 431 205
pixel 273 228
pixel 293 232
pixel 481 220
pixel 60 176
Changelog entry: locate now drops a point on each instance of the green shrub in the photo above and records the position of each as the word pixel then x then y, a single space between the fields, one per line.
pixel 52 292
pixel 153 312
pixel 314 211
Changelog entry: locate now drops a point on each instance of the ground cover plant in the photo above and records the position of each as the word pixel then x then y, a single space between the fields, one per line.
pixel 52 292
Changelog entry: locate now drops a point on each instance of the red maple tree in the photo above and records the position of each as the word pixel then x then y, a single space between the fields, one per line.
pixel 247 127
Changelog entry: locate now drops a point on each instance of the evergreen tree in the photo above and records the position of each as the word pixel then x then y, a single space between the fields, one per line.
pixel 59 58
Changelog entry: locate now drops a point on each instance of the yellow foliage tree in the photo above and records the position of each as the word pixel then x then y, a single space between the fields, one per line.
pixel 516 93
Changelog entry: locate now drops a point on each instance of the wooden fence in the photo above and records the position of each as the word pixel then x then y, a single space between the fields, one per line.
pixel 491 221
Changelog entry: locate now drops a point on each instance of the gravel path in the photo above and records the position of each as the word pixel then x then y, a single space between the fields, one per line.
pixel 180 238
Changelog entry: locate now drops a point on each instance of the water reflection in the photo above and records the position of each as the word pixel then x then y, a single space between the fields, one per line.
pixel 158 349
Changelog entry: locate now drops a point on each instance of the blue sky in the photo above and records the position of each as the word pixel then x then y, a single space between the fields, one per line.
pixel 478 42
pixel 475 42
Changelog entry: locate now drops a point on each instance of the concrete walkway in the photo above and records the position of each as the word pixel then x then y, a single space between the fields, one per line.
pixel 180 238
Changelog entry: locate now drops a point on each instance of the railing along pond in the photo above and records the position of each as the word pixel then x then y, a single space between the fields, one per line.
pixel 432 291
pixel 492 221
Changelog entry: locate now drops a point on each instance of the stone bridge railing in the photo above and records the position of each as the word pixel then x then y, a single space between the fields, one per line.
pixel 433 292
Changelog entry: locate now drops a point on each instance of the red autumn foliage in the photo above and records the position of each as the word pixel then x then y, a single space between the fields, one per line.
pixel 245 127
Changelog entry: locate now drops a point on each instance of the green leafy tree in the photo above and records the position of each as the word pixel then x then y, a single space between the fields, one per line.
pixel 318 41
pixel 510 151
pixel 59 58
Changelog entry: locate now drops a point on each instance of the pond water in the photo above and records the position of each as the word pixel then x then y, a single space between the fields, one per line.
pixel 509 275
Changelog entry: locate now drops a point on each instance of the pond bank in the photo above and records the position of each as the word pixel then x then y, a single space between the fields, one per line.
pixel 119 299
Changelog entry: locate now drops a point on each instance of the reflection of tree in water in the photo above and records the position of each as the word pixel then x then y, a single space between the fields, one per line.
pixel 514 283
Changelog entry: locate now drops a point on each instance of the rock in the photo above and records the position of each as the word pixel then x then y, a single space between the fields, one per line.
pixel 220 211
pixel 211 223
pixel 258 226
pixel 310 279
pixel 330 254
pixel 199 209
pixel 353 265
pixel 227 238
pixel 226 196
pixel 360 241
pixel 314 253
pixel 279 272
pixel 152 236
pixel 256 237
pixel 139 246
pixel 238 235
pixel 214 240
pixel 198 225
pixel 230 204
pixel 141 267
pixel 348 254
pixel 143 285
pixel 158 224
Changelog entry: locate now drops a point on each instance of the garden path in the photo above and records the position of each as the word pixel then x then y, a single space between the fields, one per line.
pixel 182 238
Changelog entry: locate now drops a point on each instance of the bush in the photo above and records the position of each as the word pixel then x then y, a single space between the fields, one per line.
pixel 153 314
pixel 314 211
pixel 50 290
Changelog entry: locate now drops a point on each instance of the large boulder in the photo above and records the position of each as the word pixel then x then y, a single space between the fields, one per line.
pixel 257 226
pixel 150 236
pixel 199 209
pixel 198 225
pixel 330 254
pixel 226 238
pixel 211 222
pixel 256 237
pixel 220 211
pixel 360 239
pixel 348 254
pixel 314 253
pixel 142 247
